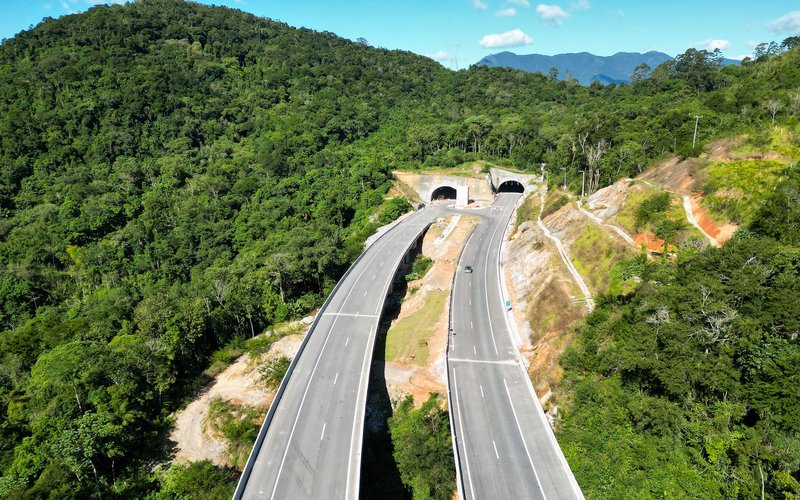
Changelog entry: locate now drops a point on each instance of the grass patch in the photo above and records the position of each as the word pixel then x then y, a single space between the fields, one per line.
pixel 553 203
pixel 784 140
pixel 734 191
pixel 238 425
pixel 274 370
pixel 594 253
pixel 653 210
pixel 419 268
pixel 528 211
pixel 410 336
pixel 407 191
pixel 224 356
pixel 552 310
pixel 467 169
pixel 626 217
pixel 201 480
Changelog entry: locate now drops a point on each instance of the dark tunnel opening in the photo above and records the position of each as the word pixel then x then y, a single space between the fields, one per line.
pixel 443 193
pixel 511 187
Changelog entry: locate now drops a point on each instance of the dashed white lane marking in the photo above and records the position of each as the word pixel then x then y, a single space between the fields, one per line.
pixel 495 450
pixel 323 433
pixel 524 444
pixel 335 378
pixel 347 341
pixel 470 325
pixel 482 392
pixel 474 350
pixel 365 293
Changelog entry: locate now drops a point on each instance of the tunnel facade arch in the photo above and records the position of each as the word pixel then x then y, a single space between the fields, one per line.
pixel 511 186
pixel 444 193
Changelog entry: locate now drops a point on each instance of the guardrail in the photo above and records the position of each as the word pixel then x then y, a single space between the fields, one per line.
pixel 248 468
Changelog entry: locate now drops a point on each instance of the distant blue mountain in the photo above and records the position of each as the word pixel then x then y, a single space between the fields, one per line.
pixel 585 67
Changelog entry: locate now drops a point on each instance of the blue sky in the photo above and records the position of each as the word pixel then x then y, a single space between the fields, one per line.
pixel 466 30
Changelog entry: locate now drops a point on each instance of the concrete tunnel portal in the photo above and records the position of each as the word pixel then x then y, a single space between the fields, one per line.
pixel 511 186
pixel 444 193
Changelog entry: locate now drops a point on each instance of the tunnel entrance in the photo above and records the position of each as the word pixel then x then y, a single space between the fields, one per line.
pixel 443 193
pixel 511 187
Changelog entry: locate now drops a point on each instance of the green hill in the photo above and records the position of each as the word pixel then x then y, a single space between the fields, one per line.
pixel 176 177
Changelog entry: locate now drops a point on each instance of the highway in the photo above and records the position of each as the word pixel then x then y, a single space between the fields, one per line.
pixel 310 443
pixel 505 447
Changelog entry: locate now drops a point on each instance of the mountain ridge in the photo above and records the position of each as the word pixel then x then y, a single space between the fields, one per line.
pixel 584 66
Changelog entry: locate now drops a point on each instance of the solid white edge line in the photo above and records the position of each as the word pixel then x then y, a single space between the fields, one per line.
pixel 524 443
pixel 362 402
pixel 316 364
pixel 463 436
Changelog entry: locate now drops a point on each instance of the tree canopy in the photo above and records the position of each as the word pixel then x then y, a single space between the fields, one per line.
pixel 176 176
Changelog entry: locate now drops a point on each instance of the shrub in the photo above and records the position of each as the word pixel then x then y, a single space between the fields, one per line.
pixel 273 372
pixel 649 210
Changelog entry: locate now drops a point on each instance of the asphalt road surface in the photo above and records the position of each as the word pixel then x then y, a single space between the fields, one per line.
pixel 312 447
pixel 506 449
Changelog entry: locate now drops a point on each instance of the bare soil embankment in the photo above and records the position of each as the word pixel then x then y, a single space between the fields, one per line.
pixel 239 383
pixel 546 300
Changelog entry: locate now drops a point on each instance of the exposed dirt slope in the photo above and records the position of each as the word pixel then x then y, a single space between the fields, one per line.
pixel 240 384
pixel 545 297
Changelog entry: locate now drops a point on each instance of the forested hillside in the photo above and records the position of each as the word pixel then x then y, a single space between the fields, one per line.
pixel 176 176
pixel 689 385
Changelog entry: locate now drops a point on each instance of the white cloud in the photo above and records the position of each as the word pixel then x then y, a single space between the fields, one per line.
pixel 712 44
pixel 580 5
pixel 513 38
pixel 552 13
pixel 480 5
pixel 524 3
pixel 440 56
pixel 509 12
pixel 741 56
pixel 751 44
pixel 786 25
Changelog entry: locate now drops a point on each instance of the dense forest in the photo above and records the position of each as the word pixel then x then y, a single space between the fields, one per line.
pixel 176 177
pixel 689 385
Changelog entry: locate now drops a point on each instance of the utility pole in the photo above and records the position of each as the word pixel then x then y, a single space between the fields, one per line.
pixel 565 177
pixel 583 182
pixel 543 165
pixel 696 122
